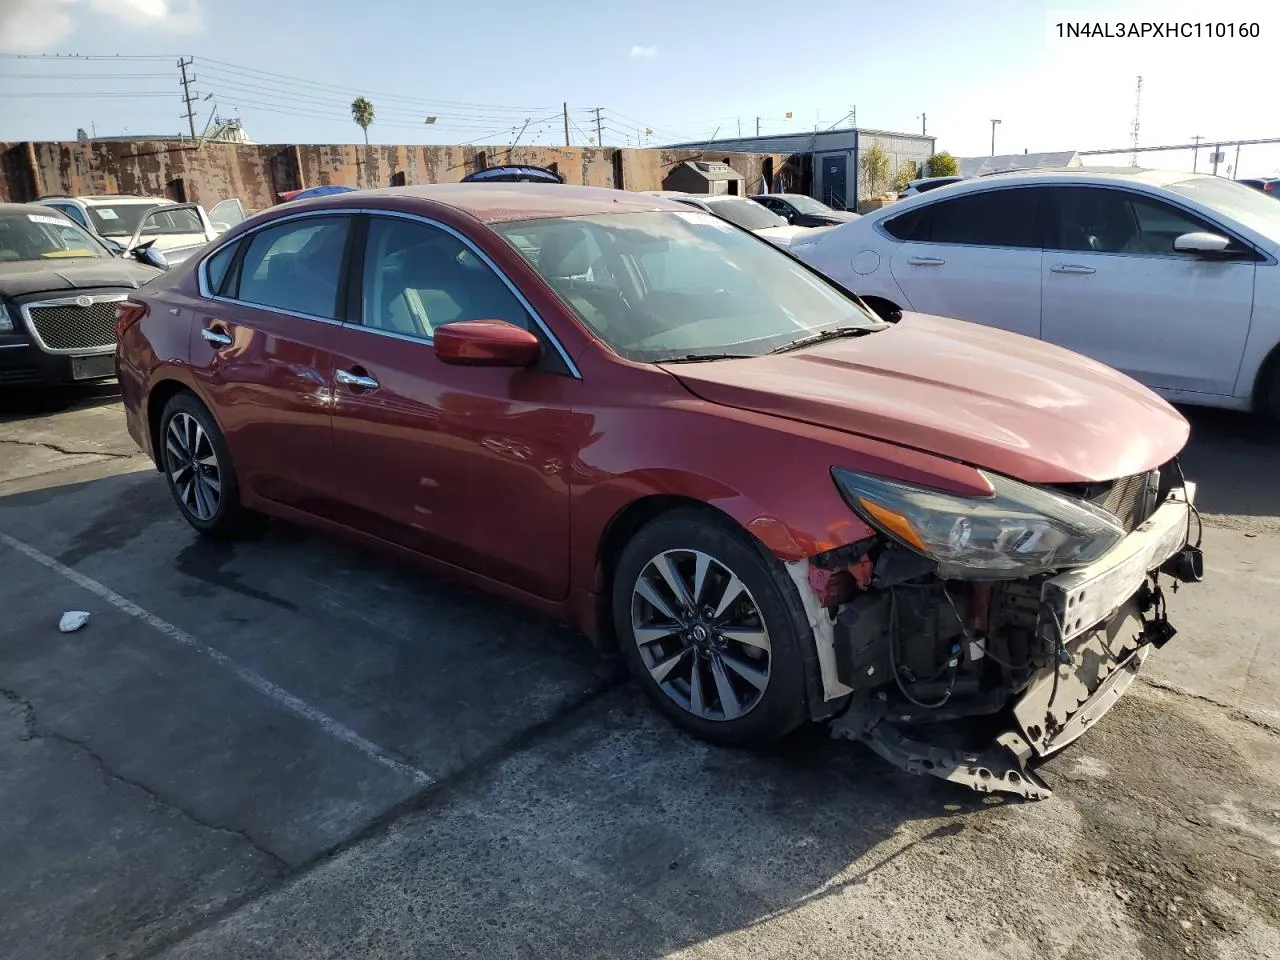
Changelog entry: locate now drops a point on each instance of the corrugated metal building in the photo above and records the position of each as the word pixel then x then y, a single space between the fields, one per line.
pixel 835 156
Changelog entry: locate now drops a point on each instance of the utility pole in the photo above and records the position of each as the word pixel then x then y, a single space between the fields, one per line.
pixel 188 97
pixel 566 123
pixel 599 128
pixel 1137 115
pixel 1195 156
pixel 757 126
pixel 1216 156
pixel 993 136
pixel 924 125
pixel 1237 164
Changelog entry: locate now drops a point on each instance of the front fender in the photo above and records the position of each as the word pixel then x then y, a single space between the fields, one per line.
pixel 772 476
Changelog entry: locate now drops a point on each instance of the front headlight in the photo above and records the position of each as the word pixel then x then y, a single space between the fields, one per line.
pixel 6 320
pixel 1017 531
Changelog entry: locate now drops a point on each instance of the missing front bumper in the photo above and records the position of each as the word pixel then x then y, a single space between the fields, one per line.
pixel 1104 620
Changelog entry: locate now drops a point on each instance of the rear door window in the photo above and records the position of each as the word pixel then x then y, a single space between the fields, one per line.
pixel 296 266
pixel 992 218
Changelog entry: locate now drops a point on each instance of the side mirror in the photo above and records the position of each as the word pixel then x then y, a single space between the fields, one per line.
pixel 1202 242
pixel 148 254
pixel 486 343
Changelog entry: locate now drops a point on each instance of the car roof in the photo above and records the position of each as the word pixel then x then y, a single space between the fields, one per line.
pixel 39 208
pixel 1144 175
pixel 780 196
pixel 118 199
pixel 504 201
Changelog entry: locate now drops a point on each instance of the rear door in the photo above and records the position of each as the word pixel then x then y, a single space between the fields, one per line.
pixel 1117 291
pixel 261 355
pixel 974 257
pixel 465 464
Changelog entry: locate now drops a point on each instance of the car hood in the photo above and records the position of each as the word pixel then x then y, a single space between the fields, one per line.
pixel 39 276
pixel 985 397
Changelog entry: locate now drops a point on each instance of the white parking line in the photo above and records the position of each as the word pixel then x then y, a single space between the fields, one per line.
pixel 260 683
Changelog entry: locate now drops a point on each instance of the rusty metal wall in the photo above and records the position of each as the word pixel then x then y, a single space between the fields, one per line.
pixel 258 173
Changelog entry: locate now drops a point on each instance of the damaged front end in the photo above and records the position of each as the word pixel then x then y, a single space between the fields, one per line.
pixel 975 635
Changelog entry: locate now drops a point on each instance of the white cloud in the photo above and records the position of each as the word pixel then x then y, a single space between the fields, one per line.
pixel 644 53
pixel 33 26
pixel 38 26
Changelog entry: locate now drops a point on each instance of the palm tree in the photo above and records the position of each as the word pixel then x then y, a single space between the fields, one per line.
pixel 362 114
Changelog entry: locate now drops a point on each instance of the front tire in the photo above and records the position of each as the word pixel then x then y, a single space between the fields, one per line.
pixel 198 468
pixel 710 627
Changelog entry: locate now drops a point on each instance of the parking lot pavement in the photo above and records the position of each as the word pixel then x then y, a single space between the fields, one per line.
pixel 287 748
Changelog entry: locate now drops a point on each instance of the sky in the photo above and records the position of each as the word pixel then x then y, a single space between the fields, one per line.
pixel 662 71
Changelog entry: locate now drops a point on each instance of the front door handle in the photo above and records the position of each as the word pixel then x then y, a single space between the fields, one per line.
pixel 216 337
pixel 352 379
pixel 925 261
pixel 1071 268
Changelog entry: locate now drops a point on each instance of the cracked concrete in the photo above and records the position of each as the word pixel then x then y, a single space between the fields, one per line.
pixel 32 732
pixel 157 808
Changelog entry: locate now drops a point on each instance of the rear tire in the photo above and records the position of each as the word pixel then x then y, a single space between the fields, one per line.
pixel 1271 394
pixel 710 626
pixel 197 466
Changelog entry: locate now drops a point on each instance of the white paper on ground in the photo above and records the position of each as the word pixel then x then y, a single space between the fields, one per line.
pixel 73 620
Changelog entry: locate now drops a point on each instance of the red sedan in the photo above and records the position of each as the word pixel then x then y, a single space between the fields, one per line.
pixel 643 420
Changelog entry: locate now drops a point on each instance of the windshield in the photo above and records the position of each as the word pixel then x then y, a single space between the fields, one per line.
pixel 1251 208
pixel 40 236
pixel 745 213
pixel 661 286
pixel 805 204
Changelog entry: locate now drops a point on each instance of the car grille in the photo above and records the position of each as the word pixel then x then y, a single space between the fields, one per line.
pixel 64 327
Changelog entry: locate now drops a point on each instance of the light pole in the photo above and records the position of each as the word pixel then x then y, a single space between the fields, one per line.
pixel 993 136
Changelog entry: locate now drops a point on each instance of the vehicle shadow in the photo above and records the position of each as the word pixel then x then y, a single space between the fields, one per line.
pixel 1234 458
pixel 31 402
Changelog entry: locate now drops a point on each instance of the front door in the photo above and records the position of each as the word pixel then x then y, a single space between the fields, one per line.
pixel 835 180
pixel 464 464
pixel 1117 291
pixel 260 353
pixel 974 257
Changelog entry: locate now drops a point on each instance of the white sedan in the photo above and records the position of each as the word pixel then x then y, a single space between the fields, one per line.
pixel 1172 278
pixel 747 214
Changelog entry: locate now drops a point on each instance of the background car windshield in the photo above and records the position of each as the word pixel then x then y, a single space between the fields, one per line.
pixel 656 286
pixel 1252 208
pixel 745 213
pixel 118 221
pixel 805 204
pixel 36 236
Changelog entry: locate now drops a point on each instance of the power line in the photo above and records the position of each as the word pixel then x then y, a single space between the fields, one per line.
pixel 349 90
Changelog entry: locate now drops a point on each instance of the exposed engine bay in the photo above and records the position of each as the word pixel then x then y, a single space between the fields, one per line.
pixel 971 679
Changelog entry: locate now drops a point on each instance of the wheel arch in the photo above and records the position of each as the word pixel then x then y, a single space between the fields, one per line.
pixel 1265 381
pixel 157 398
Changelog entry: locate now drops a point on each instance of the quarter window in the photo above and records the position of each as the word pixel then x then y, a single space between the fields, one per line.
pixel 217 267
pixel 295 266
pixel 1102 220
pixel 418 277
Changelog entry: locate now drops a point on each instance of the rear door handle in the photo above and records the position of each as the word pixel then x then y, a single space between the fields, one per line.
pixel 925 261
pixel 216 337
pixel 1071 268
pixel 352 379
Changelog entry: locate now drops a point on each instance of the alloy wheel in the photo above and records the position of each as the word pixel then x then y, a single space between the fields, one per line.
pixel 701 635
pixel 193 466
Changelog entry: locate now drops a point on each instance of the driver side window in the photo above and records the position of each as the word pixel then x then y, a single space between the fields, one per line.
pixel 418 277
pixel 1098 220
